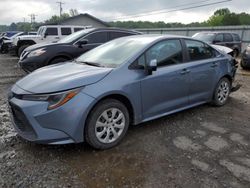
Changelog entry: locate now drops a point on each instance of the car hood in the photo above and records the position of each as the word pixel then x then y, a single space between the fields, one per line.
pixel 61 77
pixel 41 45
pixel 29 36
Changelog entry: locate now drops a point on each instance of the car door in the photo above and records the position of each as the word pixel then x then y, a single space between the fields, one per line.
pixel 93 39
pixel 203 67
pixel 167 88
pixel 51 34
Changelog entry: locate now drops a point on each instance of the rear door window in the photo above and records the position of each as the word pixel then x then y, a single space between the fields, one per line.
pixel 219 38
pixel 236 37
pixel 228 37
pixel 52 31
pixel 198 50
pixel 66 30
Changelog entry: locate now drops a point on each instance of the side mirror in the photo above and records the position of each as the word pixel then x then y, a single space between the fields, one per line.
pixel 80 43
pixel 152 66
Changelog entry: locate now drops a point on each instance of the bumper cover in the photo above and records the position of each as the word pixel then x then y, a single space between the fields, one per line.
pixel 63 125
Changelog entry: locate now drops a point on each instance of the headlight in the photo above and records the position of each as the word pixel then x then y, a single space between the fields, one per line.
pixel 37 52
pixel 55 100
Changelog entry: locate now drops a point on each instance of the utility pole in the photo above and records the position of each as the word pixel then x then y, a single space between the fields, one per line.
pixel 32 18
pixel 24 19
pixel 60 6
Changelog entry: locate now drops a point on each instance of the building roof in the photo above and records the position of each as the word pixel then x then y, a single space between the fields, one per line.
pixel 86 15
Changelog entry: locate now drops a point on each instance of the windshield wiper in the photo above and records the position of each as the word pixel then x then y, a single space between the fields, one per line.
pixel 90 63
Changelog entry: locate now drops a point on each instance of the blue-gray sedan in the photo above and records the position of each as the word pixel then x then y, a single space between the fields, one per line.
pixel 124 82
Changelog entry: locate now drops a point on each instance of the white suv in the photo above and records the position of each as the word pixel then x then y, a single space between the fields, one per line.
pixel 45 34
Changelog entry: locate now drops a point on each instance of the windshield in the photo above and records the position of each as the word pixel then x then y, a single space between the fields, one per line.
pixel 74 36
pixel 116 52
pixel 206 37
pixel 40 31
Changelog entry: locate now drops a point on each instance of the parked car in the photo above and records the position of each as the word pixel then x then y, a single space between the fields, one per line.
pixel 70 47
pixel 45 34
pixel 231 40
pixel 120 83
pixel 7 42
pixel 245 59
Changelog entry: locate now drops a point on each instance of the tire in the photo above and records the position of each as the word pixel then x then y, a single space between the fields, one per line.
pixel 21 49
pixel 221 93
pixel 242 64
pixel 102 115
pixel 57 60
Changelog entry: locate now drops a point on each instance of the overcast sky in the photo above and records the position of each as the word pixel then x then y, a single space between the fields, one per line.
pixel 107 10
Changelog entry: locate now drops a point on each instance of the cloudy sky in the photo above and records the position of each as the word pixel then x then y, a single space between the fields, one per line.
pixel 107 10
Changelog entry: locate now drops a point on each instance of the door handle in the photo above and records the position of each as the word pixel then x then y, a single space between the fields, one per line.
pixel 185 71
pixel 214 65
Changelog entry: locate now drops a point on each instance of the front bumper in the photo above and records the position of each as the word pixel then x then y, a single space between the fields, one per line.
pixel 29 64
pixel 63 125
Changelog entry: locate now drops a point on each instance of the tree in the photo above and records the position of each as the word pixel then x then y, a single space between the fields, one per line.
pixel 231 19
pixel 13 27
pixel 57 19
pixel 73 12
pixel 222 12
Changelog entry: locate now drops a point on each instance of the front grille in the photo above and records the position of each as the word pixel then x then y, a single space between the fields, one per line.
pixel 21 121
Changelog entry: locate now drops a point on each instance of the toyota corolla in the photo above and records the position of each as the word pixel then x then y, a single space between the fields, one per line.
pixel 124 82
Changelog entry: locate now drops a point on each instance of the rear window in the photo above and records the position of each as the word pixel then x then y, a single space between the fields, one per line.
pixel 51 31
pixel 114 35
pixel 236 37
pixel 66 31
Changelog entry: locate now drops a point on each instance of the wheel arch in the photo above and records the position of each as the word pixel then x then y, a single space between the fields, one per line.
pixel 25 42
pixel 121 98
pixel 62 55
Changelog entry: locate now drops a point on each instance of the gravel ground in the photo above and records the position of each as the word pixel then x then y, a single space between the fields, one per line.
pixel 201 147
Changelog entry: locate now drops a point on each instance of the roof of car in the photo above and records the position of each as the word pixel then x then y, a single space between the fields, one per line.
pixel 216 32
pixel 155 37
pixel 116 29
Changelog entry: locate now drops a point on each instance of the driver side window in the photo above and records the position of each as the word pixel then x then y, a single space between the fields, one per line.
pixel 168 52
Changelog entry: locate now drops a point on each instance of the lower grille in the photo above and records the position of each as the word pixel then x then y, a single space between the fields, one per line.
pixel 21 121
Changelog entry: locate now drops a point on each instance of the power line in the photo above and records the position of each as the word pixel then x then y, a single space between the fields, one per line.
pixel 169 10
pixel 60 6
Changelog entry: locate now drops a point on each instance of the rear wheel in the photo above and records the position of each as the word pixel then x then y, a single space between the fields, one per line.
pixel 243 64
pixel 222 92
pixel 107 124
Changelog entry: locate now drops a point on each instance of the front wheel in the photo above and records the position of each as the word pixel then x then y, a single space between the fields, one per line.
pixel 222 92
pixel 21 49
pixel 107 124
